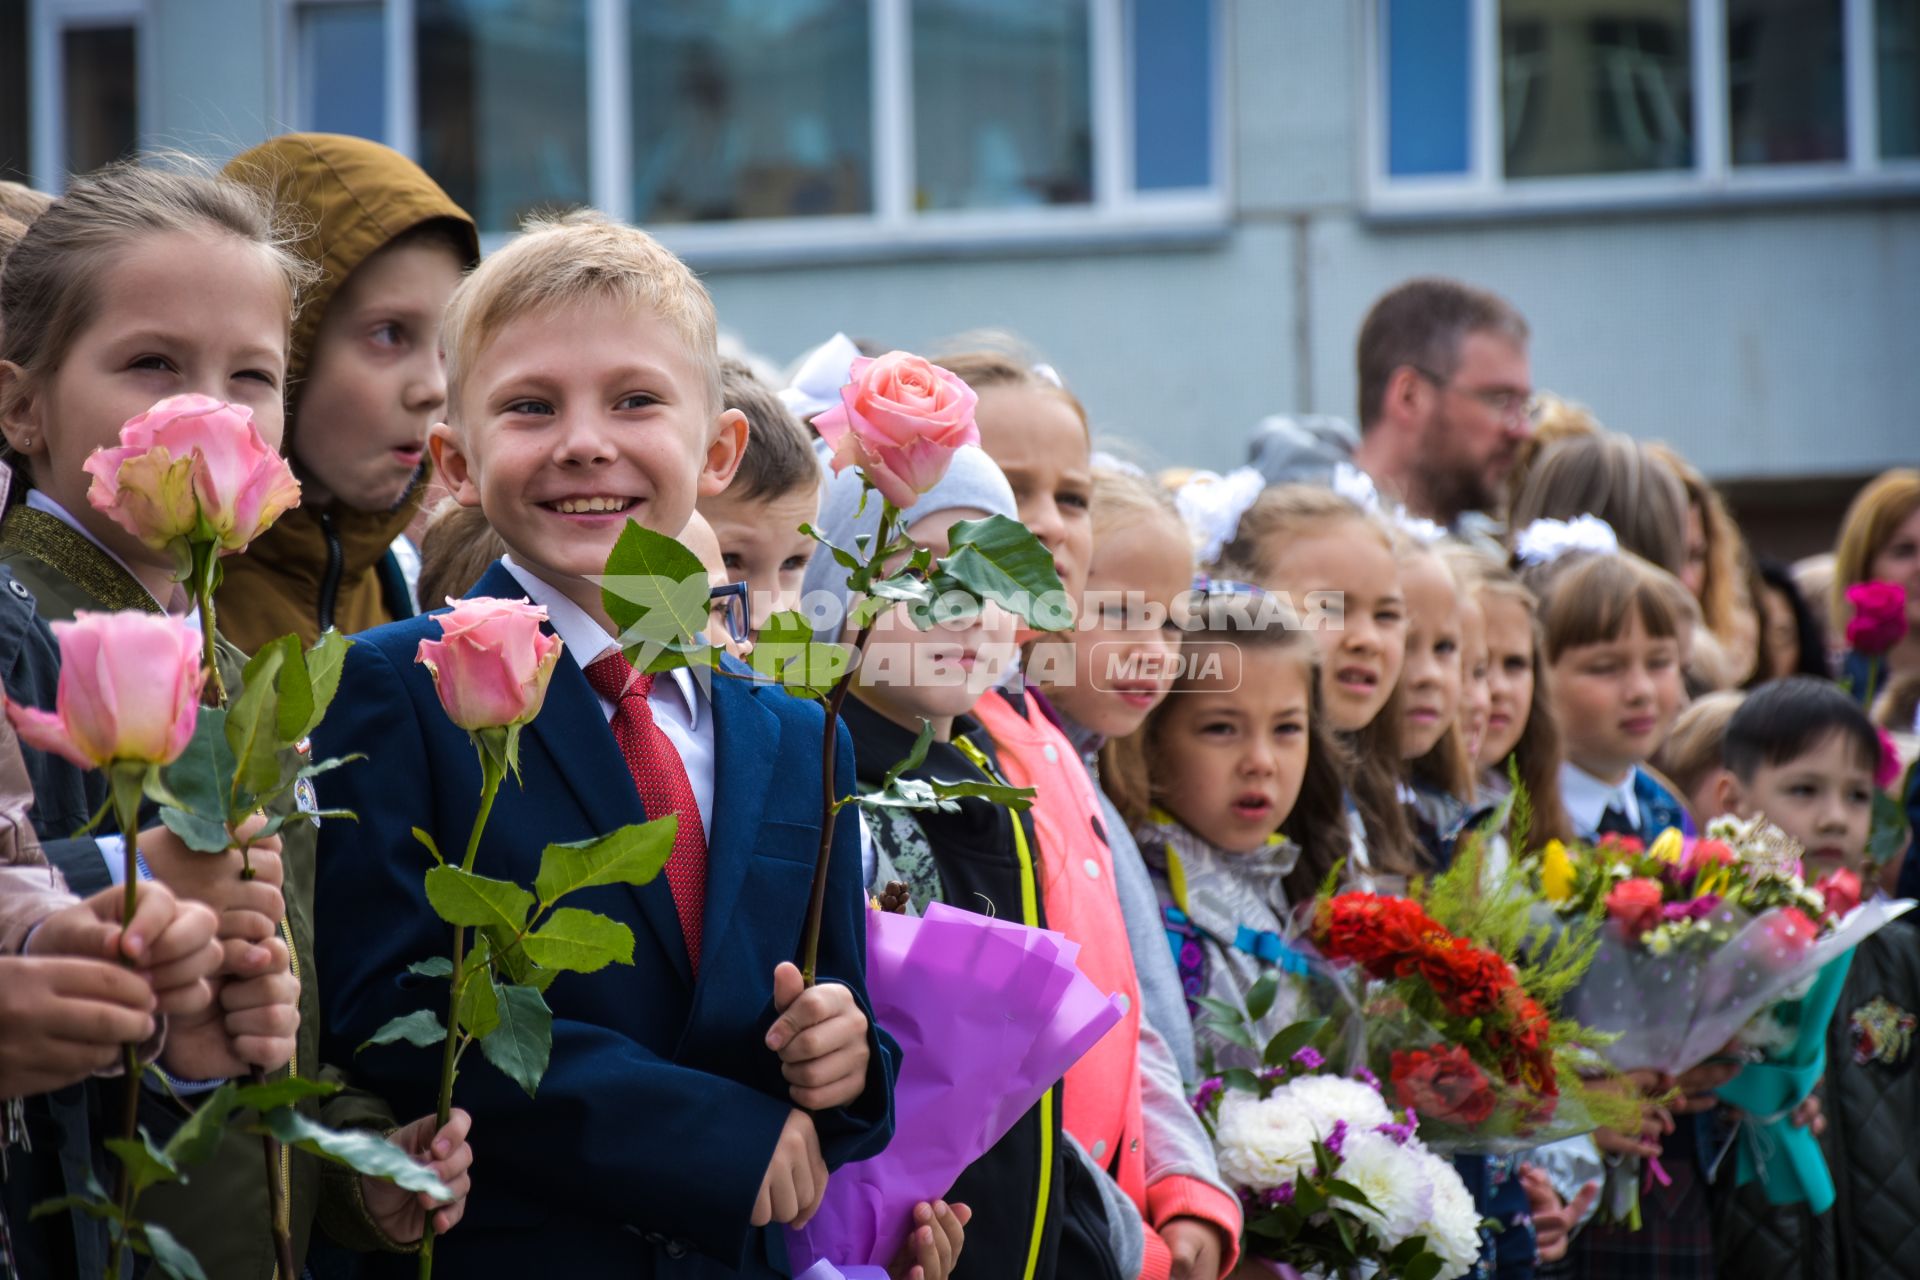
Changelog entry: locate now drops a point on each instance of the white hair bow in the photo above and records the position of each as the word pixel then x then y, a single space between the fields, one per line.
pixel 1545 541
pixel 1419 528
pixel 815 384
pixel 1356 486
pixel 1211 505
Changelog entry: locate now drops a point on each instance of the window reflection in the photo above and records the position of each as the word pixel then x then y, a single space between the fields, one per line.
pixel 1897 39
pixel 16 139
pixel 1786 82
pixel 100 97
pixel 343 69
pixel 753 109
pixel 503 105
pixel 1002 103
pixel 1596 86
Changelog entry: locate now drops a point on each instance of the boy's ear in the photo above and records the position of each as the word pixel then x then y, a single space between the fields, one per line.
pixel 451 461
pixel 1728 795
pixel 724 453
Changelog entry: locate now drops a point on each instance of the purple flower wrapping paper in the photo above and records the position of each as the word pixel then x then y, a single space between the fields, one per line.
pixel 988 1015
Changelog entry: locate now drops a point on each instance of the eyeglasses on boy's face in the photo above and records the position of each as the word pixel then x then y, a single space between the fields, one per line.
pixel 728 602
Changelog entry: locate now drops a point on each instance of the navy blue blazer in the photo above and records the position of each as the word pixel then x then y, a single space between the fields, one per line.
pixel 644 1152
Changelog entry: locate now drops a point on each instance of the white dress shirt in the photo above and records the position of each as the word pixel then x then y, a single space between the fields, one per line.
pixel 680 706
pixel 1588 798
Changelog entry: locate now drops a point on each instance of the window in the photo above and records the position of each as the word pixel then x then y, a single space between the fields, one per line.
pixel 100 95
pixel 339 80
pixel 1520 103
pixel 764 126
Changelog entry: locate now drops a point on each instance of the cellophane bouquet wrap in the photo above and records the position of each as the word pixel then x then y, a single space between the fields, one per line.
pixel 1459 993
pixel 988 1015
pixel 1333 1180
pixel 1701 935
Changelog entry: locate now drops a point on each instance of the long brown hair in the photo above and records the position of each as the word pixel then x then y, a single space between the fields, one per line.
pixel 1317 823
pixel 1873 516
pixel 1535 758
pixel 1278 516
pixel 1618 479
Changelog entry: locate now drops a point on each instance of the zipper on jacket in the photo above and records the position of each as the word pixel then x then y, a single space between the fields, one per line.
pixel 330 580
pixel 1029 916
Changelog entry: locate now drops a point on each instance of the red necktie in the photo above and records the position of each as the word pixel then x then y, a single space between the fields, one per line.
pixel 661 779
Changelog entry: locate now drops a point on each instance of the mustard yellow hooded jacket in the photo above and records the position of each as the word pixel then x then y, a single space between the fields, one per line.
pixel 317 568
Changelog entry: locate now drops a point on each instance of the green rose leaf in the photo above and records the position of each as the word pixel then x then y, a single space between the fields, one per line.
pixel 197 785
pixel 172 1257
pixel 1000 560
pixel 1260 997
pixel 147 1165
pixel 915 757
pixel 634 854
pixel 1288 1040
pixel 198 1137
pixel 432 967
pixel 293 709
pixel 282 1093
pixel 655 592
pixel 461 897
pixel 580 941
pixel 421 1027
pixel 426 839
pixel 202 835
pixel 479 1010
pixel 519 1047
pixel 785 651
pixel 96 1206
pixel 511 956
pixel 252 720
pixel 323 664
pixel 358 1149
pixel 1003 794
pixel 1887 827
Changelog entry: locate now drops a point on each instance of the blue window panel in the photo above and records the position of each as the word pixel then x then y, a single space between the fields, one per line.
pixel 1172 54
pixel 1429 86
pixel 343 69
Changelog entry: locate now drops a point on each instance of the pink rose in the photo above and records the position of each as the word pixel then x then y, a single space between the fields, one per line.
pixel 1879 619
pixel 1789 932
pixel 129 691
pixel 192 469
pixel 492 662
pixel 899 420
pixel 1886 771
pixel 1840 889
pixel 1636 905
pixel 1703 853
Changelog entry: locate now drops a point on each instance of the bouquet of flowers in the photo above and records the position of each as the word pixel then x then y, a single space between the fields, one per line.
pixel 1332 1178
pixel 1701 935
pixel 1457 991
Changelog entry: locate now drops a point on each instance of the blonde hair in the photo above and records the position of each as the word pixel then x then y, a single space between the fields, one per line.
pixel 1692 750
pixel 1121 499
pixel 1536 757
pixel 1875 513
pixel 455 550
pixel 22 203
pixel 49 288
pixel 578 257
pixel 991 359
pixel 1618 479
pixel 1279 516
pixel 1555 418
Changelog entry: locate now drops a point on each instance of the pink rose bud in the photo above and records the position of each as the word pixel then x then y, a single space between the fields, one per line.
pixel 1879 619
pixel 1635 905
pixel 192 469
pixel 1840 890
pixel 899 420
pixel 129 691
pixel 492 662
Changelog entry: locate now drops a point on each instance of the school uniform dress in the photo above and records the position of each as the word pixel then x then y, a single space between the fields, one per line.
pixel 644 1150
pixel 1675 1241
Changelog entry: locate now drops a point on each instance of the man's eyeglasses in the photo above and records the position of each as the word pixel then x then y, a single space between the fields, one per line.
pixel 728 602
pixel 1504 403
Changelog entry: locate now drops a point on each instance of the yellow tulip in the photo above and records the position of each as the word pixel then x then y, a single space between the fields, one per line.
pixel 1556 872
pixel 1669 846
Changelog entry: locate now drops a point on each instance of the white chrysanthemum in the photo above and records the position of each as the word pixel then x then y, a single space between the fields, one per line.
pixel 1452 1225
pixel 1262 1144
pixel 1766 1034
pixel 1326 1099
pixel 1394 1182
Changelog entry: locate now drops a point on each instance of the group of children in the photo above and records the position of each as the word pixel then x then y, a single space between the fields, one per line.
pixel 1336 687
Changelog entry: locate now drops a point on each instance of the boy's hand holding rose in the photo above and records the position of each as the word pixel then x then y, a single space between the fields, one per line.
pixel 821 1037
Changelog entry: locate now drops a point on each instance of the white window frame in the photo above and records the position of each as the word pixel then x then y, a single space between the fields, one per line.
pixel 48 24
pixel 1714 179
pixel 1117 214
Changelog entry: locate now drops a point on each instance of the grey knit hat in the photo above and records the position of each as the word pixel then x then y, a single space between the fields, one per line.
pixel 972 483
